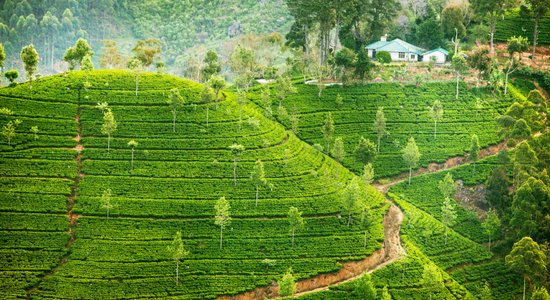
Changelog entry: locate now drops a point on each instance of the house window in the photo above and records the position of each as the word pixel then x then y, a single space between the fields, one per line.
pixel 401 54
pixel 413 56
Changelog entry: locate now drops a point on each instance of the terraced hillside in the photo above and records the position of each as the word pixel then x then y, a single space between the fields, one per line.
pixel 406 109
pixel 60 240
pixel 514 24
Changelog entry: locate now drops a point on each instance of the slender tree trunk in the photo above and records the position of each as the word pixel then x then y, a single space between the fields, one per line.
pixel 173 120
pixel 349 218
pixel 221 237
pixel 489 242
pixel 257 189
pixel 523 287
pixel 410 174
pixel 446 228
pixel 108 142
pixel 177 271
pixel 457 77
pixel 506 82
pixel 132 158
pixel 435 129
pixel 492 33
pixel 51 61
pixel 206 116
pixel 292 237
pixel 235 170
pixel 535 38
pixel 365 241
pixel 378 148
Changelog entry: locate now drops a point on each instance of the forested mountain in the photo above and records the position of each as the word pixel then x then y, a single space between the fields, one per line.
pixel 53 26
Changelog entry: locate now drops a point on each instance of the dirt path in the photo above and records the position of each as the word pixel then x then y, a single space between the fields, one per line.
pixel 436 167
pixel 71 217
pixel 390 252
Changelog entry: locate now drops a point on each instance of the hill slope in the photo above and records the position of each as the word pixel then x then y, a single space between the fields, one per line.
pixel 59 242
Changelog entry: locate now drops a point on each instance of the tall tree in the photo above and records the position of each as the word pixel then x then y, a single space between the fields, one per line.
pixel 460 66
pixel 537 9
pixel 491 225
pixel 328 130
pixel 176 101
pixel 147 51
pixel 258 177
pixel 243 63
pixel 515 45
pixel 363 65
pixel 223 216
pixel 436 112
pixel 493 9
pixel 177 251
pixel 106 201
pixel 75 54
pixel 351 199
pixel 530 209
pixel 217 83
pixel 109 126
pixel 447 186
pixel 211 65
pixel 8 130
pixel 30 59
pixel 110 55
pixel 206 97
pixel 365 152
pixel 136 66
pixel 287 284
pixel 338 152
pixel 481 61
pixel 449 215
pixel 474 150
pixel 527 259
pixel 2 60
pixel 411 155
pixel 380 126
pixel 283 87
pixel 452 22
pixel 236 149
pixel 432 279
pixel 295 221
pixel 132 144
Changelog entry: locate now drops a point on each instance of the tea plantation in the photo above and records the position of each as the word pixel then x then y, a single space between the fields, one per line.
pixel 59 240
pixel 406 109
pixel 86 216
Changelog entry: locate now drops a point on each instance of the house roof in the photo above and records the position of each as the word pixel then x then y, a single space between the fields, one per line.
pixel 437 50
pixel 395 45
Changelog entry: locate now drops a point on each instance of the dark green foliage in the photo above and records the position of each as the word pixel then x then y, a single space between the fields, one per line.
pixel 75 54
pixel 365 152
pixel 383 57
pixel 429 34
pixel 11 75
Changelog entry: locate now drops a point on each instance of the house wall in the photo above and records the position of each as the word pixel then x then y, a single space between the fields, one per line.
pixel 370 53
pixel 395 57
pixel 439 57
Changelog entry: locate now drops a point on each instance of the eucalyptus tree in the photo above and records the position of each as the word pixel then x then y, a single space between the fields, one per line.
pixel 380 126
pixel 109 126
pixel 236 149
pixel 295 221
pixel 177 251
pixel 411 155
pixel 176 101
pixel 30 59
pixel 436 112
pixel 258 177
pixel 223 216
pixel 132 144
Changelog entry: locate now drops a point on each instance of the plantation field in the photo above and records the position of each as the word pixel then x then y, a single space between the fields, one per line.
pixel 58 241
pixel 515 25
pixel 406 110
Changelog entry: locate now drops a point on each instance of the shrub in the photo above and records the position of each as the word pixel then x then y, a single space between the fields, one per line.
pixel 383 57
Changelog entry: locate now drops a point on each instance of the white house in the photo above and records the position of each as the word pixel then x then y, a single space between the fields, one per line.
pixel 439 56
pixel 400 50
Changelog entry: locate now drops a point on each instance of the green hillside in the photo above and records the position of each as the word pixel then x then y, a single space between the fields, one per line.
pixel 515 25
pixel 406 109
pixel 58 242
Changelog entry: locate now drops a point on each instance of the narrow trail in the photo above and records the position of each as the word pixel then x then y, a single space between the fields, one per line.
pixel 71 217
pixel 390 252
pixel 435 167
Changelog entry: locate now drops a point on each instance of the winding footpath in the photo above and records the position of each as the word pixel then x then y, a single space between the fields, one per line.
pixel 391 251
